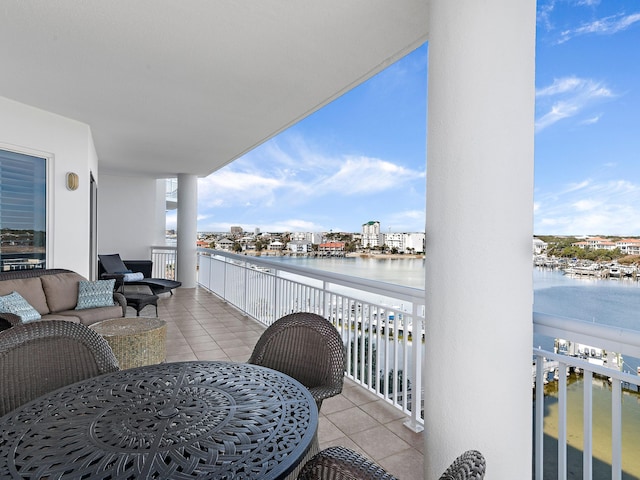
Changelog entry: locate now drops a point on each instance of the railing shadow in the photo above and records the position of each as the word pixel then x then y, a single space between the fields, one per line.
pixel 601 470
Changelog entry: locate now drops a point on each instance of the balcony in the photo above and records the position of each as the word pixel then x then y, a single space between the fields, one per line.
pixel 201 326
pixel 385 423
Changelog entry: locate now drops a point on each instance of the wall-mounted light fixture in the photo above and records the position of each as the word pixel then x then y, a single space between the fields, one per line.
pixel 72 181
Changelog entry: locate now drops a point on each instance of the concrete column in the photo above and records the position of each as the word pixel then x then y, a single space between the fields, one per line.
pixel 187 229
pixel 479 289
pixel 160 234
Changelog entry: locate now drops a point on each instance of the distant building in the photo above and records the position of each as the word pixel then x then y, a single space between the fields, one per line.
pixel 539 246
pixel 629 246
pixel 405 242
pixel 276 245
pixel 414 242
pixel 313 237
pixel 331 247
pixel 224 244
pixel 236 230
pixel 596 243
pixel 299 246
pixel 371 236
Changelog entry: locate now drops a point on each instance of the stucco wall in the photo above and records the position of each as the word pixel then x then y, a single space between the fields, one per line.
pixel 69 146
pixel 127 216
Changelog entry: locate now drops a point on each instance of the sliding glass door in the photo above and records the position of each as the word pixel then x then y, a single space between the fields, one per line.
pixel 23 215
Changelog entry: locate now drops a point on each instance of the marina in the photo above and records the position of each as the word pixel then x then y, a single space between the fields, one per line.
pixel 588 268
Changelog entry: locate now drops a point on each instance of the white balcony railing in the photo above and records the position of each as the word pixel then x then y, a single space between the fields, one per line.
pixel 383 328
pixel 623 342
pixel 165 261
pixel 381 324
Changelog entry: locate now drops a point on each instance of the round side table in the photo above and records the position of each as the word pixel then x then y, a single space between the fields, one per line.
pixel 135 341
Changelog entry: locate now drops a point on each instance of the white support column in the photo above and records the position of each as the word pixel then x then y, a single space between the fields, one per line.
pixel 479 291
pixel 160 235
pixel 187 229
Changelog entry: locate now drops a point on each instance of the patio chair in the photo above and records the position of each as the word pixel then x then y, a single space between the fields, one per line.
pixel 307 347
pixel 114 267
pixel 41 356
pixel 341 463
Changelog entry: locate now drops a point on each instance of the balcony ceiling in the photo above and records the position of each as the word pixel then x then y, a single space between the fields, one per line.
pixel 188 86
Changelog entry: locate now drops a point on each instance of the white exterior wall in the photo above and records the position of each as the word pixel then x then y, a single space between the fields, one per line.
pixel 479 186
pixel 127 210
pixel 69 144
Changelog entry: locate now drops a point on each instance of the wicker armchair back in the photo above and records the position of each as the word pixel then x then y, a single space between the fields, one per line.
pixel 470 465
pixel 341 463
pixel 307 347
pixel 42 356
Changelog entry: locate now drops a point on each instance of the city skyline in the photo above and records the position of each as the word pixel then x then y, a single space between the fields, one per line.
pixel 362 157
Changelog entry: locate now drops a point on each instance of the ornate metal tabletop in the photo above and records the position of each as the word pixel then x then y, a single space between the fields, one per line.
pixel 169 421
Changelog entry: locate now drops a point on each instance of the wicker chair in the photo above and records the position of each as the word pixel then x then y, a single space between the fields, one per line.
pixel 42 356
pixel 306 347
pixel 340 463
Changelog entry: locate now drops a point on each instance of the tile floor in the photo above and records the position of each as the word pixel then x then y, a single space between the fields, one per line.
pixel 200 326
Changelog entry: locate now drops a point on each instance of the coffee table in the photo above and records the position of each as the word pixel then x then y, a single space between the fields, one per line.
pixel 135 341
pixel 141 300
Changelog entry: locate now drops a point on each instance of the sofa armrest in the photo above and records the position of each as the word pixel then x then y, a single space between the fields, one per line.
pixel 122 301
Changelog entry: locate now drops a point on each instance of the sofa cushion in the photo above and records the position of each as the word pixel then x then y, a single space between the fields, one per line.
pixel 61 290
pixel 30 289
pixel 95 294
pixel 14 303
pixel 93 315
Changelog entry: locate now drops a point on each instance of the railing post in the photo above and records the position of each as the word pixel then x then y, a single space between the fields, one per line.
pixel 416 363
pixel 276 296
pixel 224 284
pixel 539 419
pixel 616 429
pixel 562 421
pixel 245 284
pixel 587 448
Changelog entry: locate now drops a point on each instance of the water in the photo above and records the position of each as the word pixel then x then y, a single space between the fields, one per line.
pixel 608 301
pixel 401 271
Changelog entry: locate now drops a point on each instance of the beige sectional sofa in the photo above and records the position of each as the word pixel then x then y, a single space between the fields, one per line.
pixel 54 294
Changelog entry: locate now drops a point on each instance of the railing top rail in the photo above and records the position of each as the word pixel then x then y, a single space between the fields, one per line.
pixel 164 247
pixel 587 366
pixel 414 295
pixel 616 339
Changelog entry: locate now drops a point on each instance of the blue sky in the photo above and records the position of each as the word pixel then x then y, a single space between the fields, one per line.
pixel 362 157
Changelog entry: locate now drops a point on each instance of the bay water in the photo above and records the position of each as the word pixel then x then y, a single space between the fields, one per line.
pixel 610 301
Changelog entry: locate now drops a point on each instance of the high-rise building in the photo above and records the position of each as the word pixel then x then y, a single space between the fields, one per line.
pixel 371 234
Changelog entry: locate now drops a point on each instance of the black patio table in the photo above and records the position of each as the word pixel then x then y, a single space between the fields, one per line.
pixel 213 420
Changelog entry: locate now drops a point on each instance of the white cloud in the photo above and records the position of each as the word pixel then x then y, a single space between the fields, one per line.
pixel 544 13
pixel 228 187
pixel 272 184
pixel 406 221
pixel 567 97
pixel 363 175
pixel 592 120
pixel 585 205
pixel 604 26
pixel 593 208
